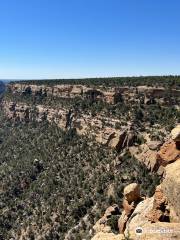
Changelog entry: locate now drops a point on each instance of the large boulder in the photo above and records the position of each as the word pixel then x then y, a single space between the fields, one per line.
pixel 175 133
pixel 118 139
pixel 168 153
pixel 138 217
pixel 152 210
pixel 132 192
pixel 131 199
pixel 171 187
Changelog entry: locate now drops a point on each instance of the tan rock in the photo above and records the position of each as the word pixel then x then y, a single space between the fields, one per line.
pixel 138 217
pixel 132 192
pixel 159 212
pixel 116 140
pixel 145 155
pixel 108 236
pixel 154 145
pixel 157 231
pixel 175 133
pixel 168 153
pixel 102 225
pixel 122 222
pixel 128 207
pixel 149 231
pixel 112 210
pixel 171 186
pixel 131 198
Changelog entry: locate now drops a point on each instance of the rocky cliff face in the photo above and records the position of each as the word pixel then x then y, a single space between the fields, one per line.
pixel 100 127
pixel 157 217
pixel 135 133
pixel 85 124
pixel 111 95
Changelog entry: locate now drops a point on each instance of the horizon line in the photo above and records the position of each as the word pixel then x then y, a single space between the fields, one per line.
pixel 74 78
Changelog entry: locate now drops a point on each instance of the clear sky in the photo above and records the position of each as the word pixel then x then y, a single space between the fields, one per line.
pixel 89 38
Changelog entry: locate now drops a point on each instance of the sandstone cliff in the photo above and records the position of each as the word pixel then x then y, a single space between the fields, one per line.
pixel 125 120
pixel 110 94
pixel 157 217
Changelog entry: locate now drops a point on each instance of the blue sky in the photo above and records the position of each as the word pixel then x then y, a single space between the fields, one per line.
pixel 89 38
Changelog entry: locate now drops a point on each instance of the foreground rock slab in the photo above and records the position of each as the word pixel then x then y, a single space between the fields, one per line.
pixel 158 231
pixel 175 133
pixel 108 236
pixel 171 188
pixel 149 231
pixel 168 153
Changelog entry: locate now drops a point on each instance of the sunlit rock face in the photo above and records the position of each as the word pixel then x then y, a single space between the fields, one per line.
pixel 111 95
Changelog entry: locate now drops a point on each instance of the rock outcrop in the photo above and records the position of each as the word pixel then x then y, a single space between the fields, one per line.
pixel 169 153
pixel 154 145
pixel 132 192
pixel 131 199
pixel 118 139
pixel 110 95
pixel 149 231
pixel 139 215
pixel 175 133
pixel 102 224
pixel 156 217
pixel 145 155
pixel 108 236
pixel 157 231
pixel 160 208
pixel 171 188
pixel 85 124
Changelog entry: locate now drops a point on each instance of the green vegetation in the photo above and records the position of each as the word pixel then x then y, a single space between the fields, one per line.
pixel 51 179
pixel 165 81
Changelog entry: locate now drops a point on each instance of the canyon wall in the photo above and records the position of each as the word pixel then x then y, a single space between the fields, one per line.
pixel 109 94
pixel 158 212
pixel 156 217
pixel 109 131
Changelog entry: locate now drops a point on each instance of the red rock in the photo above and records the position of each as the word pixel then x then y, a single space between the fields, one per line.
pixel 159 211
pixel 168 153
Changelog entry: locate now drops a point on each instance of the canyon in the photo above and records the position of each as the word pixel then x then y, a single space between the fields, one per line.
pixel 139 124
